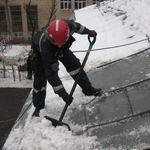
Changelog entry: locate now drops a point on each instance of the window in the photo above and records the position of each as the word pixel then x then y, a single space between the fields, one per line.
pixel 65 4
pixel 16 18
pixel 3 25
pixel 94 1
pixel 97 1
pixel 32 18
pixel 80 4
pixel 18 34
pixel 3 34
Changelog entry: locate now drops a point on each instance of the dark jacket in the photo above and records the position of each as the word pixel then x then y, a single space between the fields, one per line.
pixel 49 54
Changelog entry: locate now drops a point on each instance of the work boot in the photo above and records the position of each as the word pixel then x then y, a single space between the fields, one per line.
pixel 36 113
pixel 93 91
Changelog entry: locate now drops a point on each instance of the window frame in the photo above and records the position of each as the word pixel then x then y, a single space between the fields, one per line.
pixel 65 4
pixel 3 22
pixel 94 1
pixel 16 17
pixel 34 14
pixel 79 4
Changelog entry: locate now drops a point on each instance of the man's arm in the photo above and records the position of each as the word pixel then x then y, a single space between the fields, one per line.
pixel 76 27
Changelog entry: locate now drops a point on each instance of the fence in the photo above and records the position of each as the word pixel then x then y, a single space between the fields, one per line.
pixel 15 72
pixel 13 67
pixel 5 44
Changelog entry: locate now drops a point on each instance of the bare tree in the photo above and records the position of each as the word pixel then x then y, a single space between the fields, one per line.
pixel 53 10
pixel 8 18
pixel 33 22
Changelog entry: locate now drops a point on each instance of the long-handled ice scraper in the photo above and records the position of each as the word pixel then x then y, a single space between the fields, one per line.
pixel 59 122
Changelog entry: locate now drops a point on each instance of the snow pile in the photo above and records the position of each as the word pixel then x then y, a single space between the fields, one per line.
pixel 118 22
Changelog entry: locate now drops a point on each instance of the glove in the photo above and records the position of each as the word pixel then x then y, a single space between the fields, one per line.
pixel 68 99
pixel 92 33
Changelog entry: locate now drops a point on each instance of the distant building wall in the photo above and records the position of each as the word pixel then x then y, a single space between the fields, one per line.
pixel 42 8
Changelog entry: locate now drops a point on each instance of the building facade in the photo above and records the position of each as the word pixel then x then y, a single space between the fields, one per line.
pixel 17 17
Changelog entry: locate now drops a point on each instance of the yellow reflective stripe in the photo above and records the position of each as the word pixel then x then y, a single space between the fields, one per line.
pixel 40 42
pixel 57 88
pixel 74 72
pixel 42 89
pixel 81 29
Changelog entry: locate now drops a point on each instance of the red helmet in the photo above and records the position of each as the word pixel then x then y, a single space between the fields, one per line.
pixel 58 32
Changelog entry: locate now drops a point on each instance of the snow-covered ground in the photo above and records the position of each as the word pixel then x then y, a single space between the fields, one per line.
pixel 118 22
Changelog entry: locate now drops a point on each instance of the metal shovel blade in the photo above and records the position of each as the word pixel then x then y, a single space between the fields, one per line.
pixel 56 123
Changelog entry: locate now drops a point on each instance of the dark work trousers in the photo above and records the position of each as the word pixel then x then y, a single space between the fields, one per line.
pixel 72 65
pixel 39 85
